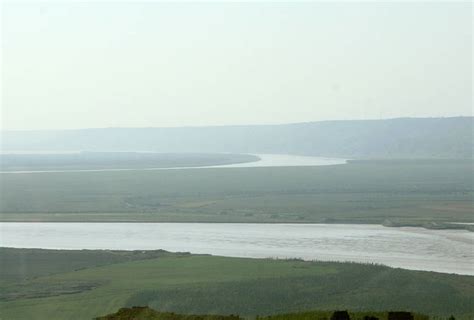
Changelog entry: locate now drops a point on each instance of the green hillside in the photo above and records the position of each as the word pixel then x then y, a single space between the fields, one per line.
pixel 93 283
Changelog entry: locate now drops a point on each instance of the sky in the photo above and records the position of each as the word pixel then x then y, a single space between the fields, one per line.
pixel 76 64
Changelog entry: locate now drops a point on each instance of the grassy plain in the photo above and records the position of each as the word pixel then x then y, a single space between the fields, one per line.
pixel 105 281
pixel 404 192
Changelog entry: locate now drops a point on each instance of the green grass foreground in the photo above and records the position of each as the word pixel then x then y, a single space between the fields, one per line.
pixel 146 313
pixel 83 284
pixel 428 193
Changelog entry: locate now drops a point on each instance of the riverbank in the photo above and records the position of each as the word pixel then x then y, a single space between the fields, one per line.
pixel 84 162
pixel 115 161
pixel 447 251
pixel 83 284
pixel 178 218
pixel 416 193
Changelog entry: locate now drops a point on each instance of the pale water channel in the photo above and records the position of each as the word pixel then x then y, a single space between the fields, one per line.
pixel 449 251
pixel 266 160
pixel 284 160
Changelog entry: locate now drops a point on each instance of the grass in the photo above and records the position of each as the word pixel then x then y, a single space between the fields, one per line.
pixel 202 284
pixel 428 193
pixel 20 265
pixel 146 313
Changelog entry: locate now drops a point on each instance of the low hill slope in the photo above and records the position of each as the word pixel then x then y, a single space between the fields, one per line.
pixel 105 281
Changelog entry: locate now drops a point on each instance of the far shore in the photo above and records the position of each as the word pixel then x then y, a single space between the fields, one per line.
pixel 112 218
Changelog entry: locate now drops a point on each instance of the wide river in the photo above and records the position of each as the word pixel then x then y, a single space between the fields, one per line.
pixel 449 251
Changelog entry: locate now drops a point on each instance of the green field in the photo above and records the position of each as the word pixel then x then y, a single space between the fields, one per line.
pixel 404 192
pixel 146 313
pixel 49 284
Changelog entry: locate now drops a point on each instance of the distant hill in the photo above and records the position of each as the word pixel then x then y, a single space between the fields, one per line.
pixel 359 139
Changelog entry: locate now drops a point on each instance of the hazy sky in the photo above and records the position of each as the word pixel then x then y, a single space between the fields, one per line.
pixel 128 64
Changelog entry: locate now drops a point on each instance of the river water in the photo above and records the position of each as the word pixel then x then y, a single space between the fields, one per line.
pixel 449 251
pixel 266 160
pixel 284 160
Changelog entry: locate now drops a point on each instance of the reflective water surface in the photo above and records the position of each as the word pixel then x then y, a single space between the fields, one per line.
pixel 448 251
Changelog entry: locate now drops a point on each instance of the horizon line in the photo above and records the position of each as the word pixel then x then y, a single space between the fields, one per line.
pixel 238 125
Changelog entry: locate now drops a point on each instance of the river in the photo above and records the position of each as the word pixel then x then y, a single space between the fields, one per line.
pixel 448 251
pixel 265 160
